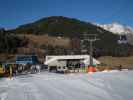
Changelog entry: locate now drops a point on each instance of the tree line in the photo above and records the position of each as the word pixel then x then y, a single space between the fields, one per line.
pixel 8 42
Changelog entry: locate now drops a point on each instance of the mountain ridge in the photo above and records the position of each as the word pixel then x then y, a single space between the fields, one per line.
pixel 72 28
pixel 119 29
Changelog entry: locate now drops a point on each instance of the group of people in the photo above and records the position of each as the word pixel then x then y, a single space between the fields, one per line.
pixel 25 69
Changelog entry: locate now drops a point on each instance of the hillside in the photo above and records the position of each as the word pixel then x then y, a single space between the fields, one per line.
pixel 73 30
pixel 44 44
pixel 114 62
pixel 120 29
pixel 41 40
pixel 8 42
pixel 59 25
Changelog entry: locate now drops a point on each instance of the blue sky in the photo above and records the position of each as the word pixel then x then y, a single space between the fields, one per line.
pixel 17 12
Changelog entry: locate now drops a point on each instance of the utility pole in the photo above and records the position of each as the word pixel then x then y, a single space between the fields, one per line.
pixel 90 38
pixel 91 53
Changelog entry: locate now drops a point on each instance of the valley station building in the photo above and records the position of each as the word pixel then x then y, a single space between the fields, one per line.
pixel 70 61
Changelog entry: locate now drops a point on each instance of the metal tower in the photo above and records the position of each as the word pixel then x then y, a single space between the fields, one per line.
pixel 90 38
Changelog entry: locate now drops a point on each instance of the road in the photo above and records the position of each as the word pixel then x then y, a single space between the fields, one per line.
pixel 50 86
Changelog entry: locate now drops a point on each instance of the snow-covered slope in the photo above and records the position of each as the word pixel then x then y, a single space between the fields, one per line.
pixel 46 86
pixel 117 28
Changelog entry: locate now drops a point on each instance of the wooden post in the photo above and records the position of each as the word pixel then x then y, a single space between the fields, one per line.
pixel 10 76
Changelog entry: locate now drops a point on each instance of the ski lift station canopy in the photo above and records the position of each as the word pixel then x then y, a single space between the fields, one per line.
pixel 62 60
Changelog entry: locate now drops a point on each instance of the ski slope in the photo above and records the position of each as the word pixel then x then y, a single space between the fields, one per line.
pixel 50 86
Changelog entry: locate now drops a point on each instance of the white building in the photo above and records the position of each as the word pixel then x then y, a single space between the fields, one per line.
pixel 68 60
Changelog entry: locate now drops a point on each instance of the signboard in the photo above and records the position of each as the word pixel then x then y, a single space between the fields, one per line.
pixel 122 39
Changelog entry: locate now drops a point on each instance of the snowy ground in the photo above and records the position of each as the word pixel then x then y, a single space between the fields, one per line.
pixel 48 86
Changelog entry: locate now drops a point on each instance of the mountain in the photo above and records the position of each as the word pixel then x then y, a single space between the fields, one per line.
pixel 119 29
pixel 56 26
pixel 59 25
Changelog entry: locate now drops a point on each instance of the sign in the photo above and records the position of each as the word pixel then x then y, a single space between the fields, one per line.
pixel 122 39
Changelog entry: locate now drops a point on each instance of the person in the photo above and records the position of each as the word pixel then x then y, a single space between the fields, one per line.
pixel 120 67
pixel 14 66
pixel 20 68
pixel 33 69
pixel 38 68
